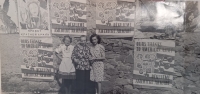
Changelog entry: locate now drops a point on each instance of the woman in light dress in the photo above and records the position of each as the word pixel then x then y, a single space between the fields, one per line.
pixel 66 68
pixel 97 52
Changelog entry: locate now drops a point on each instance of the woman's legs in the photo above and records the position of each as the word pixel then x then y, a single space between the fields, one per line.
pixel 96 88
pixel 68 86
pixel 99 87
pixel 80 81
pixel 98 72
pixel 62 86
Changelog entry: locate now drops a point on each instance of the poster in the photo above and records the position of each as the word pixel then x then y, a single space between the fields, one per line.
pixel 37 59
pixel 8 17
pixel 34 18
pixel 153 62
pixel 159 19
pixel 115 17
pixel 68 17
pixel 192 12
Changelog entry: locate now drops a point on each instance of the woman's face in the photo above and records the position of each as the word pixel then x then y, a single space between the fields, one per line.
pixel 67 41
pixel 34 9
pixel 94 41
pixel 83 40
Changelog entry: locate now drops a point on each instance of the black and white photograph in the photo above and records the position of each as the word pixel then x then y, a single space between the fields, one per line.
pixel 99 46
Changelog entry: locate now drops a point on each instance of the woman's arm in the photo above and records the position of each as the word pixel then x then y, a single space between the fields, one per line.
pixel 102 51
pixel 57 51
pixel 58 55
pixel 99 58
pixel 74 56
pixel 59 58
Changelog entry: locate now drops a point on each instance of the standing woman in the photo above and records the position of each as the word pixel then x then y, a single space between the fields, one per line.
pixel 97 56
pixel 66 68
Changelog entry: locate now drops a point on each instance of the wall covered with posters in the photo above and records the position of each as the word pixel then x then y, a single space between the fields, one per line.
pixel 146 52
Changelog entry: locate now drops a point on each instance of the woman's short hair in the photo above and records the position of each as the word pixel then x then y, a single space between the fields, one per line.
pixel 97 36
pixel 83 36
pixel 67 36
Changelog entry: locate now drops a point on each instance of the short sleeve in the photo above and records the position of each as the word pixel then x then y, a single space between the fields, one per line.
pixel 102 50
pixel 59 49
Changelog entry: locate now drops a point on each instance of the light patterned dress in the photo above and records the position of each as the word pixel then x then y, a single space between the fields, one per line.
pixel 97 70
pixel 66 68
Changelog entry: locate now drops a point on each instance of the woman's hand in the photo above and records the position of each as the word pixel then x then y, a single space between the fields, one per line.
pixel 59 62
pixel 58 55
pixel 76 60
pixel 91 58
pixel 100 58
pixel 94 58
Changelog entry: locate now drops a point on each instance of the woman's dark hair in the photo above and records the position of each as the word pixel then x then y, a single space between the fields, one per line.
pixel 97 36
pixel 67 37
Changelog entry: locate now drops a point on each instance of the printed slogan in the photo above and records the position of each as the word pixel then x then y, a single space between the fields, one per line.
pixel 37 59
pixel 153 62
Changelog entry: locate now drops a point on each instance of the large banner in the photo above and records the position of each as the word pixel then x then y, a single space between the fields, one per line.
pixel 153 62
pixel 37 59
pixel 68 17
pixel 159 19
pixel 34 18
pixel 115 17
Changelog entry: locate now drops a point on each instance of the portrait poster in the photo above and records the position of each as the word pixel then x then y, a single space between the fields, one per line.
pixel 37 59
pixel 8 17
pixel 153 63
pixel 68 17
pixel 115 17
pixel 159 19
pixel 34 17
pixel 192 16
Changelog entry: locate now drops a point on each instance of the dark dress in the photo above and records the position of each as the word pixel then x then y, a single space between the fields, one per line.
pixel 80 57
